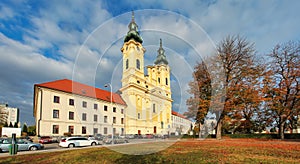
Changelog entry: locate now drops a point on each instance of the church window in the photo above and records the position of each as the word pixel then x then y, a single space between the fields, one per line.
pixel 153 108
pixel 158 80
pixel 127 63
pixel 138 48
pixel 166 81
pixel 138 66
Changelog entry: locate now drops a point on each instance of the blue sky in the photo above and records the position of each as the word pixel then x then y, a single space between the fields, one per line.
pixel 43 41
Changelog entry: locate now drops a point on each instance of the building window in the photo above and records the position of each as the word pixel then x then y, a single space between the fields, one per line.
pixel 114 109
pixel 84 104
pixel 95 106
pixel 166 81
pixel 95 131
pixel 55 129
pixel 122 131
pixel 83 129
pixel 105 108
pixel 56 99
pixel 71 129
pixel 139 116
pixel 122 111
pixel 105 130
pixel 122 120
pixel 71 102
pixel 55 113
pixel 114 120
pixel 154 108
pixel 71 115
pixel 138 66
pixel 105 119
pixel 158 80
pixel 127 64
pixel 83 116
pixel 95 118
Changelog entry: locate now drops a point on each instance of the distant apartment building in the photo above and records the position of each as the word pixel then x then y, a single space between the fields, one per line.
pixel 65 106
pixel 9 114
pixel 180 124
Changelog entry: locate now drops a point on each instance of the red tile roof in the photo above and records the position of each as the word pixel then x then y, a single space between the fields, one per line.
pixel 70 86
pixel 178 114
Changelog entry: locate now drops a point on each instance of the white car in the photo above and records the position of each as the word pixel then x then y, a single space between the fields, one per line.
pixel 77 142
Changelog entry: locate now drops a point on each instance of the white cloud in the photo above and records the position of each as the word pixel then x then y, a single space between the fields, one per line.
pixel 6 12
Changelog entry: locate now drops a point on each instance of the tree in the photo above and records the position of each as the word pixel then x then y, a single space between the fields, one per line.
pixel 282 85
pixel 247 99
pixel 5 124
pixel 16 125
pixel 25 129
pixel 237 56
pixel 200 88
pixel 11 125
pixel 32 130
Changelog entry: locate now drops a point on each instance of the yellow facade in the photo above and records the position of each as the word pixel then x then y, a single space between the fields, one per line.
pixel 148 97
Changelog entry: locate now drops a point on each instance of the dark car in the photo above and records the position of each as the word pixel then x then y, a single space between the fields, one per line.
pixel 23 144
pixel 115 140
pixel 45 139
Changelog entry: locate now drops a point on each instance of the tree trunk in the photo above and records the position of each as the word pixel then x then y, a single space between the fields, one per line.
pixel 219 130
pixel 199 134
pixel 281 130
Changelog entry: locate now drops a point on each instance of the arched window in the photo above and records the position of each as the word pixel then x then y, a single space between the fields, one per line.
pixel 127 64
pixel 138 66
pixel 166 81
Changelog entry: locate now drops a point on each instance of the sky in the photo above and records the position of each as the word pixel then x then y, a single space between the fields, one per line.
pixel 42 41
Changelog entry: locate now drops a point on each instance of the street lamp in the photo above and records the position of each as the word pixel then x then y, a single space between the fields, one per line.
pixel 112 125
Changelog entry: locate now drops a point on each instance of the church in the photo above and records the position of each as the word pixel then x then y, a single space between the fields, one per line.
pixel 148 97
pixel 143 104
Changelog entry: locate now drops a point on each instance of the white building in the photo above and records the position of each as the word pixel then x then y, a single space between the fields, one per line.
pixel 180 124
pixel 9 114
pixel 65 106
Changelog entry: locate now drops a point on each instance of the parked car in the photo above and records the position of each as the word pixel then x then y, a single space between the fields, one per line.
pixel 77 142
pixel 23 144
pixel 115 140
pixel 27 138
pixel 45 139
pixel 130 136
pixel 99 137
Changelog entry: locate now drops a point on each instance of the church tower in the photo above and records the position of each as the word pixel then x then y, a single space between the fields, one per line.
pixel 133 54
pixel 148 97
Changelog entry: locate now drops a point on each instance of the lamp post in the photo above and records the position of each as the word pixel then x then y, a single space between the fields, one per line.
pixel 112 125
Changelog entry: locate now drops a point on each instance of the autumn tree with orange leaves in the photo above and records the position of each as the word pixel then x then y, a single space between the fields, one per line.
pixel 238 77
pixel 200 88
pixel 282 85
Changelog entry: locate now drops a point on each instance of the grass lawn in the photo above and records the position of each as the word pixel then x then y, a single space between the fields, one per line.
pixel 184 151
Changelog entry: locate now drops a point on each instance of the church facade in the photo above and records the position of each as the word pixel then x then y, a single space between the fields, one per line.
pixel 148 97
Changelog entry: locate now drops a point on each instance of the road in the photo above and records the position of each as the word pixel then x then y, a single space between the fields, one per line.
pixel 54 147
